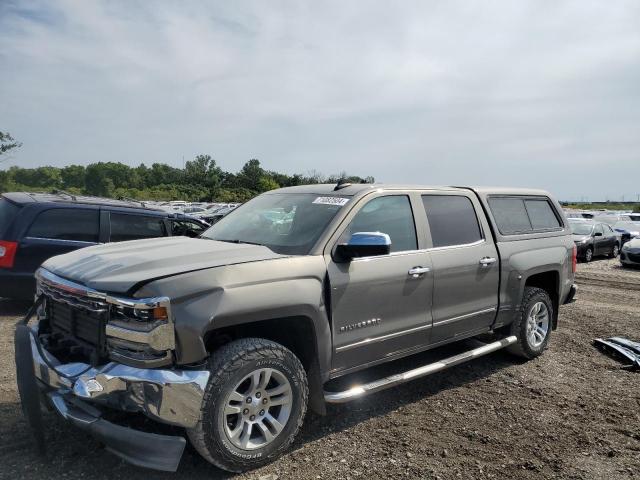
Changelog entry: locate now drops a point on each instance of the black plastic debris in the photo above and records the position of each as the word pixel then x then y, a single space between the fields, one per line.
pixel 621 348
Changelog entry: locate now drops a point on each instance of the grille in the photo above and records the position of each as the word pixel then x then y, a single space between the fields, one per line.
pixel 634 257
pixel 86 326
pixel 77 318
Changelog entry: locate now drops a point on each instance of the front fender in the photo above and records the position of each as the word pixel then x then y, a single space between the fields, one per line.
pixel 235 295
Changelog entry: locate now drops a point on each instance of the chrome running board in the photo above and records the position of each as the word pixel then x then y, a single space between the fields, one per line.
pixel 358 391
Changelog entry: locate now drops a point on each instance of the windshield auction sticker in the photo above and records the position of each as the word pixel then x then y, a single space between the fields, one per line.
pixel 340 201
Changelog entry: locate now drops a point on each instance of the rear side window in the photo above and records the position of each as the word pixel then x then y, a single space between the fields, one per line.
pixel 541 214
pixel 8 210
pixel 523 215
pixel 510 215
pixel 452 220
pixel 134 227
pixel 76 224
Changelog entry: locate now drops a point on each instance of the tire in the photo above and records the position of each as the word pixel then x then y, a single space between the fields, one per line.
pixel 615 251
pixel 238 372
pixel 526 347
pixel 27 386
pixel 588 255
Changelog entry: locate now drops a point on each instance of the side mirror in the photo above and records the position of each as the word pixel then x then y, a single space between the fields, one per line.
pixel 597 234
pixel 364 244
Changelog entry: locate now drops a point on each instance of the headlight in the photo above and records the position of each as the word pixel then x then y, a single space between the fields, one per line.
pixel 140 330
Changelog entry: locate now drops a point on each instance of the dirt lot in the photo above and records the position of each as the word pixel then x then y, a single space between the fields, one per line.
pixel 570 414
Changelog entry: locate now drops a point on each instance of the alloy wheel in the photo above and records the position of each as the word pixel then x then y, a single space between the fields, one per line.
pixel 258 409
pixel 537 324
pixel 588 255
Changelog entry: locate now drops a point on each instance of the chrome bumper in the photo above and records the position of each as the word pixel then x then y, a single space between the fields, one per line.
pixel 169 396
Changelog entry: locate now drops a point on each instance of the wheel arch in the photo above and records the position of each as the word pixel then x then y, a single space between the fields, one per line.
pixel 548 281
pixel 299 333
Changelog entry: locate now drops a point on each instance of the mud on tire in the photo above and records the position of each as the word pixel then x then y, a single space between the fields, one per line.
pixel 229 365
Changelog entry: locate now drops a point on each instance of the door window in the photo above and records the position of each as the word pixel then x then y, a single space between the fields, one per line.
pixel 134 227
pixel 391 215
pixel 452 220
pixel 75 224
pixel 598 229
pixel 186 228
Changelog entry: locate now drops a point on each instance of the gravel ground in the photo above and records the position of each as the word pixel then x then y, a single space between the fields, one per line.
pixel 572 413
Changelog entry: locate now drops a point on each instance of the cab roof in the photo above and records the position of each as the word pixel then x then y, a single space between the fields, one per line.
pixel 61 197
pixel 360 188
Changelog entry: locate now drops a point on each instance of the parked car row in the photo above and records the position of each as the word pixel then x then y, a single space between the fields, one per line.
pixel 36 226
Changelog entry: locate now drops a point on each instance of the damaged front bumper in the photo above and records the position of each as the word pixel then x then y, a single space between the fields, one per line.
pixel 81 394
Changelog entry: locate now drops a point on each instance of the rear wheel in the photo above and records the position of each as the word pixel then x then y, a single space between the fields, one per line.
pixel 532 325
pixel 254 404
pixel 615 251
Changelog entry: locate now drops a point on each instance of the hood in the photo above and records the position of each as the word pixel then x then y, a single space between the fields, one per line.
pixel 580 238
pixel 633 244
pixel 117 267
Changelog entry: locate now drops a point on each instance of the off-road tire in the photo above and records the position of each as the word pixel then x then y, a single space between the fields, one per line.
pixel 522 348
pixel 228 365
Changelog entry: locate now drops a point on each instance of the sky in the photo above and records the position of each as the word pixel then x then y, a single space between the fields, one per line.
pixel 540 93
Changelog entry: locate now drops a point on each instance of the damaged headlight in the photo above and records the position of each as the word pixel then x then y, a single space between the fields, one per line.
pixel 141 331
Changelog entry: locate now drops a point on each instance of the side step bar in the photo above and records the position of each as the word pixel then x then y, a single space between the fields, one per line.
pixel 393 380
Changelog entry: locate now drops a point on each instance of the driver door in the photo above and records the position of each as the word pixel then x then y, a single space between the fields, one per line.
pixel 600 242
pixel 379 308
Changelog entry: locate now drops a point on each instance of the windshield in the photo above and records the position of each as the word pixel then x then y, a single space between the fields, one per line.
pixel 581 228
pixel 287 223
pixel 631 226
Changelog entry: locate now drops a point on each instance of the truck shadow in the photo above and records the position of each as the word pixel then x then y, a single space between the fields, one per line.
pixel 343 416
pixel 71 452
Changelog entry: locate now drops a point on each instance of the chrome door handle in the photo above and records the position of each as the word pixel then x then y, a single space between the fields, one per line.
pixel 415 272
pixel 486 261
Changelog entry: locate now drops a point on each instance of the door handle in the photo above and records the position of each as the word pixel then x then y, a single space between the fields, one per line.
pixel 486 261
pixel 415 272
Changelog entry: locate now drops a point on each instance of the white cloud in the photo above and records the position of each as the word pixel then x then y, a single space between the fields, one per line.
pixel 518 93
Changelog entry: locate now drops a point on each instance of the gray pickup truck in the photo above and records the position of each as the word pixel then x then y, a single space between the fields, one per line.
pixel 232 335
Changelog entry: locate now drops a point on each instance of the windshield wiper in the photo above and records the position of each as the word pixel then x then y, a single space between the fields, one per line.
pixel 238 241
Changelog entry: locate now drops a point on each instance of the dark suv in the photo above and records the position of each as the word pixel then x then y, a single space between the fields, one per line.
pixel 37 226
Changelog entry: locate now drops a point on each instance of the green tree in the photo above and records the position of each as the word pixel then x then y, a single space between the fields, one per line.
pixel 72 176
pixel 7 143
pixel 267 183
pixel 250 175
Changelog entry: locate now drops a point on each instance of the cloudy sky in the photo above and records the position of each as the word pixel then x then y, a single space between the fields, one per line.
pixel 537 93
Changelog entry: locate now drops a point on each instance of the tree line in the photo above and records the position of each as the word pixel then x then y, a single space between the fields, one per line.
pixel 201 179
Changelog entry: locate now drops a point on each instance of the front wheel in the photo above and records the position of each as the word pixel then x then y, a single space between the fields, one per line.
pixel 254 404
pixel 532 325
pixel 588 255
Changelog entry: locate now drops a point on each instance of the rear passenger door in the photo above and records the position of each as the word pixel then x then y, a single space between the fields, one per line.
pixel 56 231
pixel 465 265
pixel 134 226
